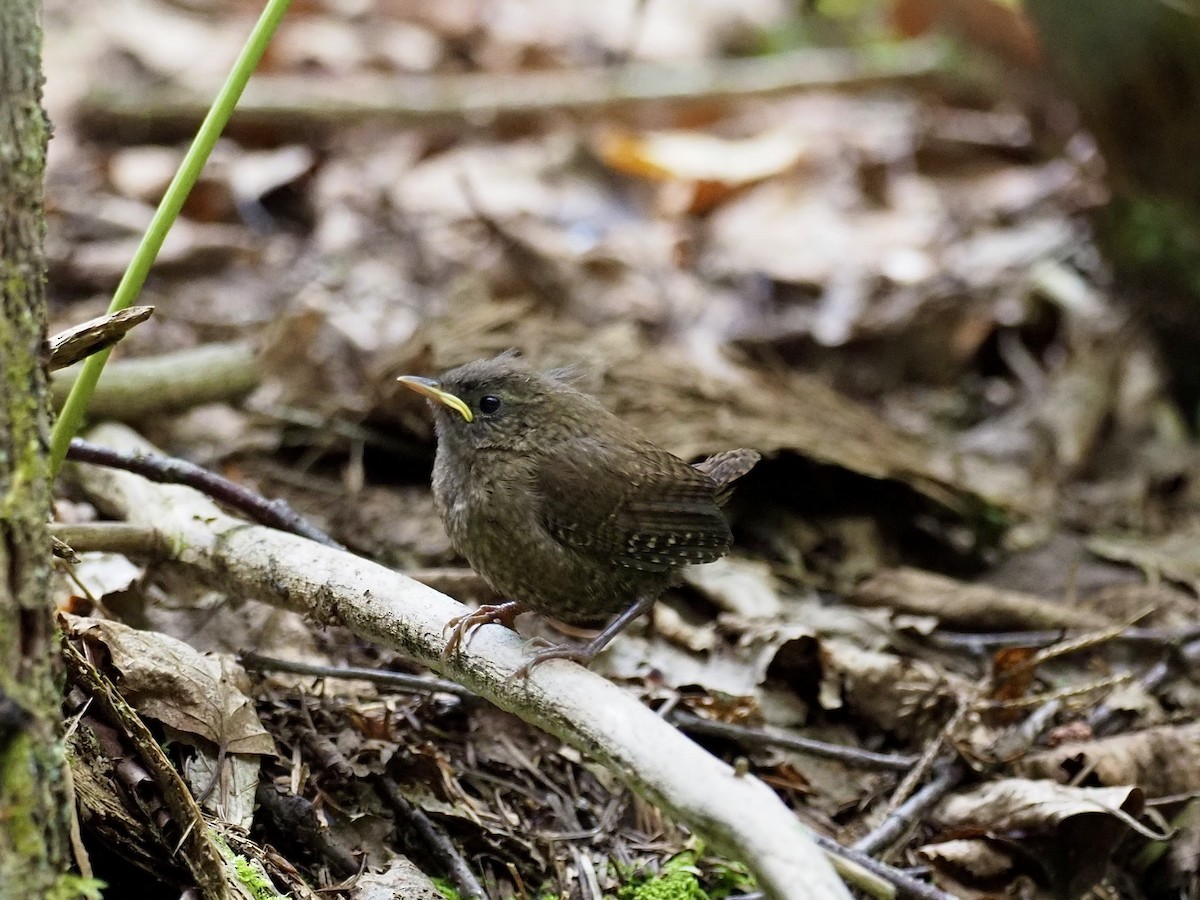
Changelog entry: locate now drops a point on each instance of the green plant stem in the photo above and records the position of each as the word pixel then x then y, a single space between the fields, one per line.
pixel 71 417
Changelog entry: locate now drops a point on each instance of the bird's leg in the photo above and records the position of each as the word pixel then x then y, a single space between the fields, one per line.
pixel 588 652
pixel 460 627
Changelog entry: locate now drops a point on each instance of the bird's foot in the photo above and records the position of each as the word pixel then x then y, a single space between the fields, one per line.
pixel 461 627
pixel 589 651
pixel 582 655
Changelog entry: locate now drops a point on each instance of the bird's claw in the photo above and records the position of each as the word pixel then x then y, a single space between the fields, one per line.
pixel 581 655
pixel 460 628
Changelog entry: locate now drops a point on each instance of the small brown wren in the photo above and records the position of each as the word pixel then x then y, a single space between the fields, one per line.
pixel 561 506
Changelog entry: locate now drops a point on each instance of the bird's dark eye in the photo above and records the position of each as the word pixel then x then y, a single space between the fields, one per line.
pixel 489 405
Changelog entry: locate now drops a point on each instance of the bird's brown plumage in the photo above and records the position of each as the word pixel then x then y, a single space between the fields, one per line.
pixel 560 505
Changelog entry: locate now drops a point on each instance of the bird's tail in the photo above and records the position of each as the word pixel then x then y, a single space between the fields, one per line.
pixel 727 467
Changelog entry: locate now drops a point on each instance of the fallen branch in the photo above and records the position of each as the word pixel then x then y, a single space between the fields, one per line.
pixel 132 389
pixel 737 814
pixel 962 605
pixel 909 813
pixel 290 103
pixel 172 470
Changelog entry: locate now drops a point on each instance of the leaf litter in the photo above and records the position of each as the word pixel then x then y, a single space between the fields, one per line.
pixel 889 292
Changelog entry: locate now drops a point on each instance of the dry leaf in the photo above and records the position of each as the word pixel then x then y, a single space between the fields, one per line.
pixel 708 168
pixel 1070 831
pixel 196 694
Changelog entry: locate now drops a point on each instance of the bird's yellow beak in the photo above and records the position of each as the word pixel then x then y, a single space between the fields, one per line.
pixel 427 387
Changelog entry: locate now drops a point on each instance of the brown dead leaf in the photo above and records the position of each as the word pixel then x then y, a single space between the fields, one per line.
pixel 1071 831
pixel 1012 677
pixel 898 695
pixel 1162 761
pixel 195 694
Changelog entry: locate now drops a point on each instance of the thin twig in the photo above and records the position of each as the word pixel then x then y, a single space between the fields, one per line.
pixel 980 643
pixel 685 721
pixel 330 758
pixel 758 737
pixel 1064 693
pixel 434 838
pixel 905 884
pixel 426 684
pixel 170 470
pixel 906 814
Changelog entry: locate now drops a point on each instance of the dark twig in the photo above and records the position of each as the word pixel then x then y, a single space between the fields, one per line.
pixel 906 885
pixel 758 737
pixel 170 470
pixel 907 813
pixel 425 684
pixel 331 759
pixel 685 721
pixel 435 839
pixel 295 817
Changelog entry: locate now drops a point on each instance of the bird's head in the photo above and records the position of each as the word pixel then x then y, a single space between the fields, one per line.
pixel 501 403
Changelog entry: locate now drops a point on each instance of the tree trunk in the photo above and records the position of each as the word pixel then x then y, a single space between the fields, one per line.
pixel 1133 69
pixel 34 799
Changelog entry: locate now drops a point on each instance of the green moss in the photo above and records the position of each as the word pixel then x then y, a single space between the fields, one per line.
pixel 249 872
pixel 254 879
pixel 76 887
pixel 683 878
pixel 20 791
pixel 676 885
pixel 446 889
pixel 679 880
pixel 730 878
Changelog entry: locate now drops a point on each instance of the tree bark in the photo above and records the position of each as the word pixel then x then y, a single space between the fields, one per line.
pixel 34 798
pixel 1132 67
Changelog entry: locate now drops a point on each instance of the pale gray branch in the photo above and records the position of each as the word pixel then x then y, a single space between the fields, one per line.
pixel 737 814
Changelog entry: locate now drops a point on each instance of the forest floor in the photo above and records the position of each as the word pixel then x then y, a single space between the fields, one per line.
pixel 968 549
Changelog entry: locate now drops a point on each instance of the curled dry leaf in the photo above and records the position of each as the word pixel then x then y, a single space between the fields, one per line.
pixel 100 575
pixel 898 695
pixel 1162 761
pixel 1070 831
pixel 972 857
pixel 196 696
pixel 82 340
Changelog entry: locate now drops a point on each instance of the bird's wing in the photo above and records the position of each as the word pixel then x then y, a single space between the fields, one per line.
pixel 637 506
